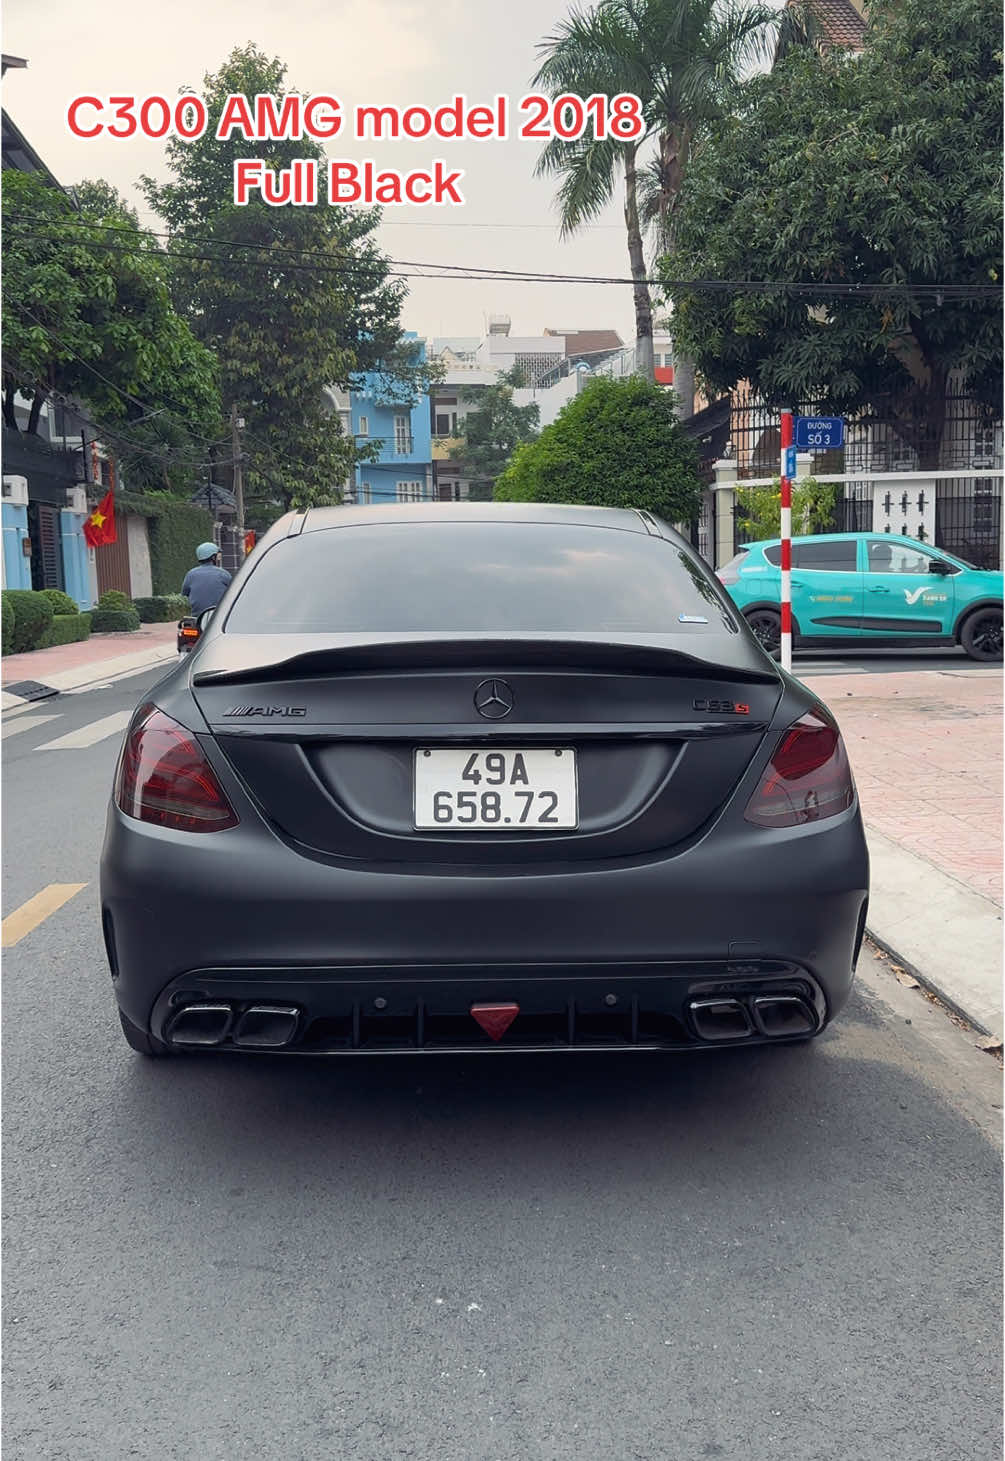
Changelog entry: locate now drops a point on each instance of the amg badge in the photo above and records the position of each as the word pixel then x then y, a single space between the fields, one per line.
pixel 267 710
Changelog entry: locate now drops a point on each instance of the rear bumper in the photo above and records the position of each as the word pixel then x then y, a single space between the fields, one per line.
pixel 240 916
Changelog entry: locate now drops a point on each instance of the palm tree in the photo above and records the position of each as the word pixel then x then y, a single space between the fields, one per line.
pixel 684 59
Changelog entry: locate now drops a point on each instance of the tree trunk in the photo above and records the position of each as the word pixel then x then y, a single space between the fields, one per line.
pixel 683 382
pixel 675 144
pixel 38 401
pixel 644 363
pixel 9 414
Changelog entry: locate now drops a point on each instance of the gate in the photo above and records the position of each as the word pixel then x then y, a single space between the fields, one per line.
pixel 46 547
pixel 112 560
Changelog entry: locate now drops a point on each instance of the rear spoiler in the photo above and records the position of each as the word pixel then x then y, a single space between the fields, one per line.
pixel 233 659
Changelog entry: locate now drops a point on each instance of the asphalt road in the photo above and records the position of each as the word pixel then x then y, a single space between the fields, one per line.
pixel 781 1255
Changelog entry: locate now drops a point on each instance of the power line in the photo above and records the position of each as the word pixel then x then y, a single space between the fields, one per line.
pixel 398 268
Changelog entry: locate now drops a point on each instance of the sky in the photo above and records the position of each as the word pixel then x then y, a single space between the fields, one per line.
pixel 365 52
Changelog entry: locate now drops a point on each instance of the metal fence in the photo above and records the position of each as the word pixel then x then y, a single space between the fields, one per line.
pixel 883 439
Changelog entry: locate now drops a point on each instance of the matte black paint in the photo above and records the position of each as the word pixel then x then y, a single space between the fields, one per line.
pixel 323 884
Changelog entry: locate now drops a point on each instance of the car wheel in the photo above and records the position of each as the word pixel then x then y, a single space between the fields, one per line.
pixel 982 635
pixel 767 627
pixel 139 1040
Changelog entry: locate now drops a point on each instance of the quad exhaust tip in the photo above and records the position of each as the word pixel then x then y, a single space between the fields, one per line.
pixel 776 1016
pixel 260 1027
pixel 720 1019
pixel 781 1015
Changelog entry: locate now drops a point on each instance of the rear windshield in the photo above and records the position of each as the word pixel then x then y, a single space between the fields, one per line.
pixel 476 577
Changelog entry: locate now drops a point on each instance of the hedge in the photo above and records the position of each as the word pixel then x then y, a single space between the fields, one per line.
pixel 116 600
pixel 66 629
pixel 114 621
pixel 175 533
pixel 162 609
pixel 7 609
pixel 61 602
pixel 32 617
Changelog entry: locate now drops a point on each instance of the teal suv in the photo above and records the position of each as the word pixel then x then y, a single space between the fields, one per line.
pixel 859 589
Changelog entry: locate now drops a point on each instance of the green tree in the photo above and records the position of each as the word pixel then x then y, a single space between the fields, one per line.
pixel 87 315
pixel 880 174
pixel 617 444
pixel 493 431
pixel 683 59
pixel 97 199
pixel 759 509
pixel 290 300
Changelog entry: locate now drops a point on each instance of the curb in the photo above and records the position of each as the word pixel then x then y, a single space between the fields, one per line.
pixel 927 982
pixel 24 694
pixel 945 935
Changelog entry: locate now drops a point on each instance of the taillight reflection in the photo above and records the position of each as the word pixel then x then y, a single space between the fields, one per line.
pixel 164 778
pixel 807 779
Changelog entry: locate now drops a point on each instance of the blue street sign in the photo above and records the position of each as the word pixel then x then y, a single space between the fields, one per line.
pixel 790 462
pixel 819 433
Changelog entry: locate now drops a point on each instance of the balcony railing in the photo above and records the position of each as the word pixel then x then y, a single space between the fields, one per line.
pixel 443 445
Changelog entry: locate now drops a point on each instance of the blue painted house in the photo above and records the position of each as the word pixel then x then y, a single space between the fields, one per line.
pixel 402 430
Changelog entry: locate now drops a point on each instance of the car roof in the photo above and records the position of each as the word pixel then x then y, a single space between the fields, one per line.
pixel 627 519
pixel 835 537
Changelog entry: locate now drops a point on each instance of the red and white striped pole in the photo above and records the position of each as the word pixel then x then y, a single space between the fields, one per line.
pixel 786 542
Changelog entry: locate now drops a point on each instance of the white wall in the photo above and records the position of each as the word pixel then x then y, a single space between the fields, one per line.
pixel 140 575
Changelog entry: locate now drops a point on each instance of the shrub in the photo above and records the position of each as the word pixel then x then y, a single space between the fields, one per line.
pixel 617 444
pixel 162 609
pixel 32 617
pixel 114 599
pixel 66 629
pixel 61 602
pixel 114 621
pixel 7 609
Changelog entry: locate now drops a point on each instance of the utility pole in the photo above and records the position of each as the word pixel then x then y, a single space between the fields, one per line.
pixel 236 427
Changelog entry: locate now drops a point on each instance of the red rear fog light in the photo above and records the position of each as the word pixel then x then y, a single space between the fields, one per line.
pixel 165 778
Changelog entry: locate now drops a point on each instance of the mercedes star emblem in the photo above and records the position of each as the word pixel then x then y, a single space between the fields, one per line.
pixel 493 699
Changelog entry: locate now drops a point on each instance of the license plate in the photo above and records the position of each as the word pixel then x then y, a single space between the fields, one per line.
pixel 508 790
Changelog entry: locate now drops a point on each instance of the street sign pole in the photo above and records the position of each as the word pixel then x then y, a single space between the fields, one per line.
pixel 786 467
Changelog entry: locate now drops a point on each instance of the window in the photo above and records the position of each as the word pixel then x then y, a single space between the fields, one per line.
pixel 446 423
pixel 825 557
pixel 984 444
pixel 474 577
pixel 884 556
pixel 839 555
pixel 409 491
pixel 364 426
pixel 402 435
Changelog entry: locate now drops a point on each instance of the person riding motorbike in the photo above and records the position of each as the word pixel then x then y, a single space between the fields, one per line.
pixel 206 583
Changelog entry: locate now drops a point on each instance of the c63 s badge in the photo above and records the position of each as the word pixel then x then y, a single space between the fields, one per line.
pixel 245 711
pixel 723 707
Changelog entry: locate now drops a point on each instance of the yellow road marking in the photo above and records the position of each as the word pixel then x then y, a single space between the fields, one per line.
pixel 37 910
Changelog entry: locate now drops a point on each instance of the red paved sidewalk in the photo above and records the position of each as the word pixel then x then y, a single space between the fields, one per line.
pixel 100 650
pixel 926 750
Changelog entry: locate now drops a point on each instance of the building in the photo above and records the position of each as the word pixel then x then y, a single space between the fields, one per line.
pixel 830 25
pixel 49 471
pixel 380 413
pixel 555 366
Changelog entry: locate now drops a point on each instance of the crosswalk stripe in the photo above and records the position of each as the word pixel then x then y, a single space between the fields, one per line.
pixel 90 735
pixel 28 917
pixel 26 722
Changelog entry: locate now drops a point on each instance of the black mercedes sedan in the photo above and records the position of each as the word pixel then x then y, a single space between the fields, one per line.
pixel 479 777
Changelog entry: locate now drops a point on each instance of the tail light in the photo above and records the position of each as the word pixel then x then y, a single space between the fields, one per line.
pixel 165 778
pixel 807 779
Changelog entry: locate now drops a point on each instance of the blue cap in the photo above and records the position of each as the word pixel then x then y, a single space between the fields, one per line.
pixel 205 551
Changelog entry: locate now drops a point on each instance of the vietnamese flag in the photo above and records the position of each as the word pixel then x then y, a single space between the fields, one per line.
pixel 100 526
